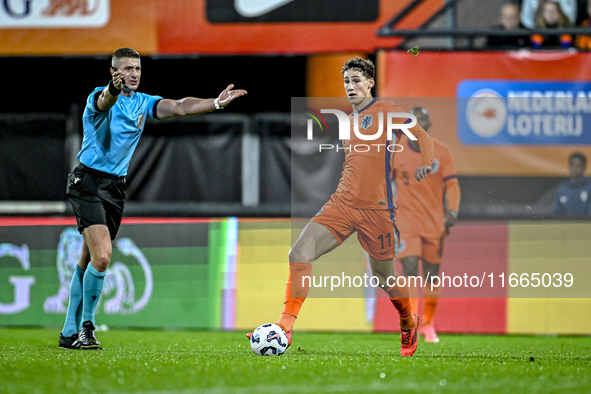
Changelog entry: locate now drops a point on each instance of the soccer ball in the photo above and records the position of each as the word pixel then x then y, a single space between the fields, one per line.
pixel 268 340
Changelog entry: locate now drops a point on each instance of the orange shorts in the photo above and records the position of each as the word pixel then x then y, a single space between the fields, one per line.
pixel 376 231
pixel 430 249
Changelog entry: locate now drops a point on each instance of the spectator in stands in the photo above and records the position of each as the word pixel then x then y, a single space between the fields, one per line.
pixel 551 16
pixel 572 197
pixel 531 10
pixel 583 41
pixel 509 21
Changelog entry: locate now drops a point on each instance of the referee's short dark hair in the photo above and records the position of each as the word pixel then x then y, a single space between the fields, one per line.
pixel 126 52
pixel 578 155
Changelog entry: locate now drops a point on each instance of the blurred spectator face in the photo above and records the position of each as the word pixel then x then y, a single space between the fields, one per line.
pixel 551 14
pixel 510 17
pixel 576 168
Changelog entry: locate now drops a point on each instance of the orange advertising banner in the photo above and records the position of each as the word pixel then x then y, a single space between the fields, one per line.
pixel 434 80
pixel 92 27
pixel 98 27
pixel 238 27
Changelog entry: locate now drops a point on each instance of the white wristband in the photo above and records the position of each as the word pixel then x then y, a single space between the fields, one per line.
pixel 216 102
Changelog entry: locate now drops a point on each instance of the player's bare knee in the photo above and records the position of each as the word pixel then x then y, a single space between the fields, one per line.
pixel 383 270
pixel 299 255
pixel 383 280
pixel 430 270
pixel 410 266
pixel 378 275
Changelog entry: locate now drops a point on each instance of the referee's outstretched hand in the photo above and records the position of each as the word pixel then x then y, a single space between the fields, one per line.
pixel 229 95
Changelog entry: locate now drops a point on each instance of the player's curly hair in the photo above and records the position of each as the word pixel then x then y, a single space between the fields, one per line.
pixel 126 52
pixel 366 67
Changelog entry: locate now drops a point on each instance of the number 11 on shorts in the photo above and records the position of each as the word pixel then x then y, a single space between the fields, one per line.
pixel 388 237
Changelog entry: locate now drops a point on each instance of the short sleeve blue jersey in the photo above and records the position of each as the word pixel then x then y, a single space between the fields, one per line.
pixel 110 137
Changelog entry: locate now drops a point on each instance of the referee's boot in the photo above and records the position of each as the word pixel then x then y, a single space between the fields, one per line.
pixel 86 337
pixel 70 342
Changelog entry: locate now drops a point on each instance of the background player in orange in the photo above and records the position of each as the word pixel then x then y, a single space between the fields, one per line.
pixel 362 203
pixel 427 210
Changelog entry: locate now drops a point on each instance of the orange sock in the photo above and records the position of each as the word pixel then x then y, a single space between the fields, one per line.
pixel 296 292
pixel 400 300
pixel 414 302
pixel 431 300
pixel 414 299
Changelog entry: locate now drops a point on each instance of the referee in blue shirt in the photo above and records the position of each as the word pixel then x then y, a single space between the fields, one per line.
pixel 113 120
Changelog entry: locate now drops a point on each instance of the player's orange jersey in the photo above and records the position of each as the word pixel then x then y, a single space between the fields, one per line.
pixel 365 181
pixel 422 203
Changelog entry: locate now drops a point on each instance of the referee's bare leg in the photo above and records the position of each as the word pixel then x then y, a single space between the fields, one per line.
pixel 98 240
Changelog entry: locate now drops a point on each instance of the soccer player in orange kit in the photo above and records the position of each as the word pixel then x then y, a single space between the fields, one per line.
pixel 362 203
pixel 424 217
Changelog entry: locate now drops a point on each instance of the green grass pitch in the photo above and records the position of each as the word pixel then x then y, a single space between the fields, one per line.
pixel 222 362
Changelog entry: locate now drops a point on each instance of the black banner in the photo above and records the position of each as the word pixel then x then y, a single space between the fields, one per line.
pixel 32 157
pixel 187 159
pixel 257 11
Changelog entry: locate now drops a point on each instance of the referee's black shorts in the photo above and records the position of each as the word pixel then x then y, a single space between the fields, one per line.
pixel 97 198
